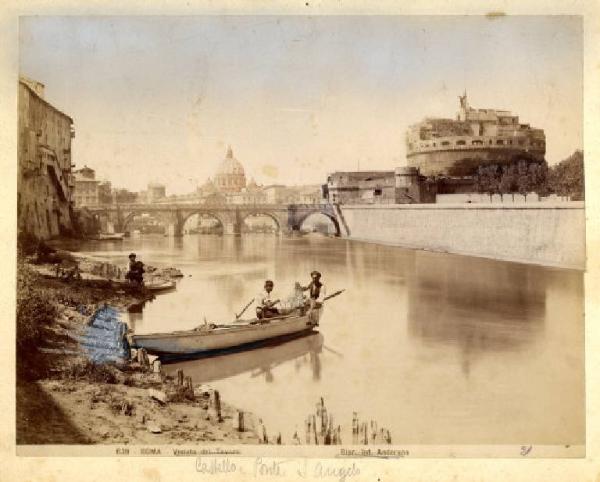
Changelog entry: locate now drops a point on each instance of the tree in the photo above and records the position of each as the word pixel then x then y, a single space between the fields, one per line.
pixel 541 186
pixel 567 177
pixel 507 181
pixel 523 180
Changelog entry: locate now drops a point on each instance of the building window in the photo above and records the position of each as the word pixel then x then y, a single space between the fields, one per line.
pixel 460 143
pixel 477 142
pixel 500 142
pixel 377 192
pixel 510 142
pixel 521 142
pixel 445 143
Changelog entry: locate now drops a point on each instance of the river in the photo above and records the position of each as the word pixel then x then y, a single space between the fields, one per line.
pixel 437 348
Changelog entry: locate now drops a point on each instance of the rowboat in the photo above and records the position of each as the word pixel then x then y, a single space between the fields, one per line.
pixel 108 237
pixel 210 337
pixel 155 285
pixel 162 285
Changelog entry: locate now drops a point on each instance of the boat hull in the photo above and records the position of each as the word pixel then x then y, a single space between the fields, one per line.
pixel 194 342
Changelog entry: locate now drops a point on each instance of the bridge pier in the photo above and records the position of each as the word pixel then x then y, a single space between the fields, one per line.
pixel 234 228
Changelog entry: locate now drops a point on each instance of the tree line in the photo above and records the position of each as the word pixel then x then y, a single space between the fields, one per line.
pixel 524 176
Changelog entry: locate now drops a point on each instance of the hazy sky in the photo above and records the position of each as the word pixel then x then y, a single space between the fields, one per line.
pixel 160 98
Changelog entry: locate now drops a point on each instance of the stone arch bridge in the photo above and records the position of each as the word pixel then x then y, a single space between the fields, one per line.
pixel 288 217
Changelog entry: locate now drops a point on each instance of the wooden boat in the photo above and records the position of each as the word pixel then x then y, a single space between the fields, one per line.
pixel 211 338
pixel 161 285
pixel 153 285
pixel 108 237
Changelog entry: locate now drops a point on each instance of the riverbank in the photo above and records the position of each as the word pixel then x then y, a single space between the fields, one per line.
pixel 67 395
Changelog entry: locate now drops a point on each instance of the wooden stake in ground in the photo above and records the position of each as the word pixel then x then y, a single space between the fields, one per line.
pixel 143 358
pixel 240 421
pixel 218 406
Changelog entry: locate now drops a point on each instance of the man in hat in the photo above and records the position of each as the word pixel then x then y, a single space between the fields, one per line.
pixel 135 273
pixel 266 302
pixel 316 290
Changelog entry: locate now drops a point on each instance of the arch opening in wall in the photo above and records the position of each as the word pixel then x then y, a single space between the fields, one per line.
pixel 320 223
pixel 260 223
pixel 203 223
pixel 147 223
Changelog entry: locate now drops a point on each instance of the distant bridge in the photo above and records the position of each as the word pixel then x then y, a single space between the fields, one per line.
pixel 288 217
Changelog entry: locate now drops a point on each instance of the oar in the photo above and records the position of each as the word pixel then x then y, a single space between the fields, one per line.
pixel 334 294
pixel 237 317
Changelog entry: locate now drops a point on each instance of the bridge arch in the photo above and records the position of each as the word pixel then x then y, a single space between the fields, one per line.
pixel 202 213
pixel 267 214
pixel 163 217
pixel 333 219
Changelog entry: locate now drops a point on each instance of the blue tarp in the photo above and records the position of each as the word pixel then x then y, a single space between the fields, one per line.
pixel 104 339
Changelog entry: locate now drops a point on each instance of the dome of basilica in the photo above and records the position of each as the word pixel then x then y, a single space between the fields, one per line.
pixel 230 176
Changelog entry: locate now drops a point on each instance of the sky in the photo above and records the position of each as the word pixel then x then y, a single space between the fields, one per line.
pixel 159 99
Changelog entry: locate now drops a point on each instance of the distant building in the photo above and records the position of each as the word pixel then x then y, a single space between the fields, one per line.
pixel 85 192
pixel 229 186
pixel 44 180
pixel 230 176
pixel 124 196
pixel 105 193
pixel 350 187
pixel 477 136
pixel 156 192
pixel 404 185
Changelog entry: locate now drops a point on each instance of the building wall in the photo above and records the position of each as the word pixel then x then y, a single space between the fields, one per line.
pixel 440 162
pixel 85 193
pixel 44 180
pixel 540 233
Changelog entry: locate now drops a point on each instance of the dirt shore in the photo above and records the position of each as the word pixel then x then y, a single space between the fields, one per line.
pixel 64 397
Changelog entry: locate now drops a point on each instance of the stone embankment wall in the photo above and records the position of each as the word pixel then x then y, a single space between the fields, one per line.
pixel 537 233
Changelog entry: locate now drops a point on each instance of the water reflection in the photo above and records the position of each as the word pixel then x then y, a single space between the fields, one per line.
pixel 477 308
pixel 258 363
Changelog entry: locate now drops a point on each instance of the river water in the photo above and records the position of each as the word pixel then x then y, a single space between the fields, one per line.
pixel 437 348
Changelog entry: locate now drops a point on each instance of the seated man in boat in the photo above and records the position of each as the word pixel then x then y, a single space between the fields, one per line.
pixel 266 302
pixel 135 274
pixel 316 290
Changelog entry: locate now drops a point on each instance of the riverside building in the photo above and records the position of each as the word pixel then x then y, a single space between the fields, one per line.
pixel 44 178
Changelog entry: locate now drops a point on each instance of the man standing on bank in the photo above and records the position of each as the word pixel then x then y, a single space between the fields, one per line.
pixel 266 303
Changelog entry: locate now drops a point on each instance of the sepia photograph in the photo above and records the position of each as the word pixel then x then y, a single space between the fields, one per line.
pixel 348 235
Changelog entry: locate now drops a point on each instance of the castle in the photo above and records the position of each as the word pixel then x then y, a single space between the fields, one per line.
pixel 448 147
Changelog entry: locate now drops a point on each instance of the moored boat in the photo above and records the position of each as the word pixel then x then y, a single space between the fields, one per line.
pixel 153 285
pixel 108 237
pixel 210 338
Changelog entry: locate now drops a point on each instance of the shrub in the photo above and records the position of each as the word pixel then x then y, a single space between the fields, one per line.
pixel 34 312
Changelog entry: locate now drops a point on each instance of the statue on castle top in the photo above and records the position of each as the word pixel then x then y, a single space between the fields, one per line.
pixel 463 101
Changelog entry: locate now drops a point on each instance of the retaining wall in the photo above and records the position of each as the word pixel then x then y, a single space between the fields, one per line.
pixel 538 233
